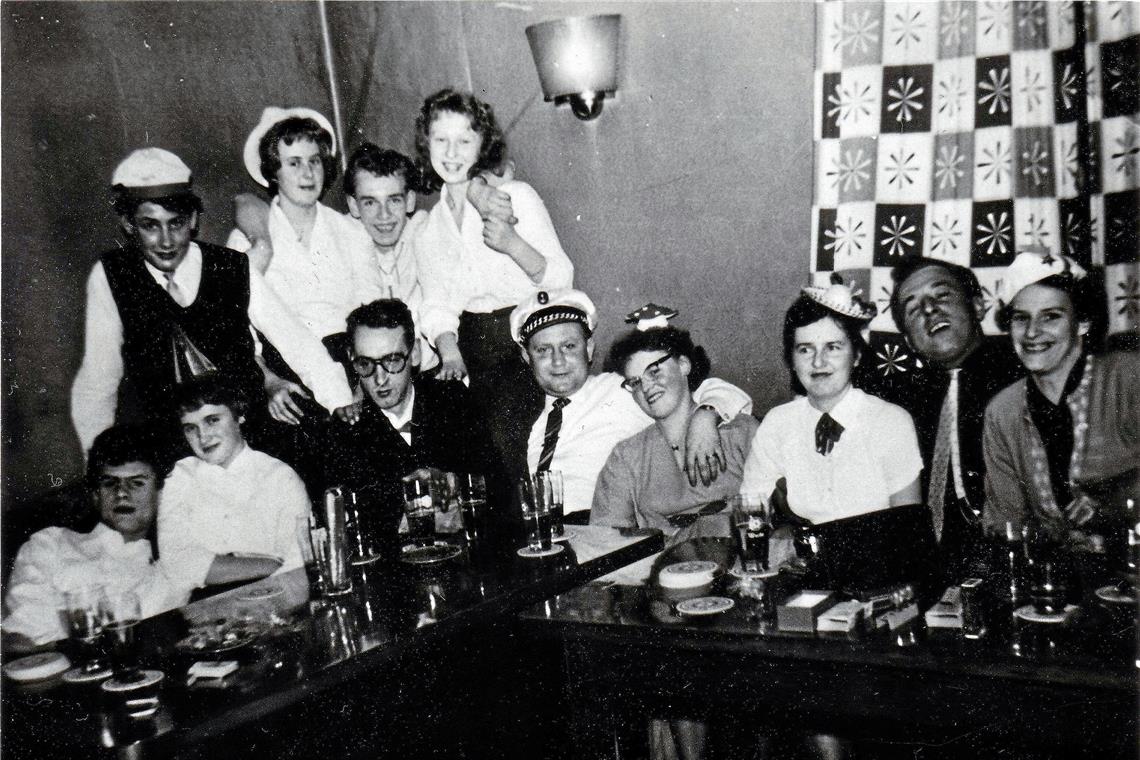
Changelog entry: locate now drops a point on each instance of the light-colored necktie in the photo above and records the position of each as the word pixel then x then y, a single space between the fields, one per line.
pixel 945 446
pixel 175 292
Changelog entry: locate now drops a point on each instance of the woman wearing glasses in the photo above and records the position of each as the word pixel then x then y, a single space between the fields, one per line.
pixel 840 452
pixel 644 483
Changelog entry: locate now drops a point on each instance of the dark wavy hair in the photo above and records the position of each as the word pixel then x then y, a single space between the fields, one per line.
pixel 677 342
pixel 289 131
pixel 210 388
pixel 125 204
pixel 964 276
pixel 803 312
pixel 123 444
pixel 1084 293
pixel 482 116
pixel 386 313
pixel 381 162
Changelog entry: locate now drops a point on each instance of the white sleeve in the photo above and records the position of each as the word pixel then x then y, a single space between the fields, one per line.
pixel 724 397
pixel 300 348
pixel 237 241
pixel 535 227
pixel 94 393
pixel 899 455
pixel 186 562
pixel 32 603
pixel 435 269
pixel 292 504
pixel 762 467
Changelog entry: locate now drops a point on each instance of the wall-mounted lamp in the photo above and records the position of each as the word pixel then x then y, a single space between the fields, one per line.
pixel 576 60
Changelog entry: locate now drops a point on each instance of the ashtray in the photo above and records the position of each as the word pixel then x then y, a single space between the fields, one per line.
pixel 261 593
pixel 428 554
pixel 37 667
pixel 526 551
pixel 1112 594
pixel 1029 614
pixel 705 605
pixel 223 636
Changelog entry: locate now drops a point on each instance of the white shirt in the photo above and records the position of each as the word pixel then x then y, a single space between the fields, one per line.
pixel 254 506
pixel 400 421
pixel 94 394
pixel 399 278
pixel 327 280
pixel 600 414
pixel 876 456
pixel 55 560
pixel 459 273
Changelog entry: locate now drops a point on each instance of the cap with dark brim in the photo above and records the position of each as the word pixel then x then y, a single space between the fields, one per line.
pixel 552 315
pixel 154 191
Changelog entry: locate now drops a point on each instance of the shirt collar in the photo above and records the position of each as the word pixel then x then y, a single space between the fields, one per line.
pixel 400 420
pixel 846 411
pixel 188 271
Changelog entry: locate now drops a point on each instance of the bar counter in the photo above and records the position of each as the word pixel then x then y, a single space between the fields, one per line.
pixel 416 660
pixel 1020 691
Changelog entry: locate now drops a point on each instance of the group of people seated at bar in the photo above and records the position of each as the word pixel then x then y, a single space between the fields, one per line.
pixel 322 348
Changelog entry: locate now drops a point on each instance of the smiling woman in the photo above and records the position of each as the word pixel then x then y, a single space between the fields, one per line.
pixel 838 451
pixel 1061 446
pixel 644 483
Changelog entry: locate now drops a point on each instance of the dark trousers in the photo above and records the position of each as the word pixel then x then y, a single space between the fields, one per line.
pixel 502 384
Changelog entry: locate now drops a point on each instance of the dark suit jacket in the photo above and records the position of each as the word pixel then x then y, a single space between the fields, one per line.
pixel 448 433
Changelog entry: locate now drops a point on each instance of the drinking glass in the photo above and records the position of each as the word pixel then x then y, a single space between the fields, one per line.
pixel 85 628
pixel 473 504
pixel 752 527
pixel 121 613
pixel 548 490
pixel 419 507
pixel 536 518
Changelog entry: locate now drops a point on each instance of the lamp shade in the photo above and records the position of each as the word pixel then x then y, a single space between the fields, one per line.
pixel 576 56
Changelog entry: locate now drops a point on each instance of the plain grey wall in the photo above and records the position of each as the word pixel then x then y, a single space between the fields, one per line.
pixel 693 188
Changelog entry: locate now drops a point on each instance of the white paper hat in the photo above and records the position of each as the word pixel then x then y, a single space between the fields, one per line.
pixel 151 173
pixel 270 116
pixel 1030 267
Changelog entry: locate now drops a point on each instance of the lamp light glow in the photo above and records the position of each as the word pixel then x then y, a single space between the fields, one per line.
pixel 576 60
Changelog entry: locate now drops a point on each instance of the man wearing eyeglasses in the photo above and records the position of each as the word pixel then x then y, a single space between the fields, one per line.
pixel 585 415
pixel 407 421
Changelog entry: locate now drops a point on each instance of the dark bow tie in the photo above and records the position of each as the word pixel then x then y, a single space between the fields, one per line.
pixel 827 433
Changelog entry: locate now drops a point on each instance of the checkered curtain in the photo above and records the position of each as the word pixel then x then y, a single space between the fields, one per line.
pixel 968 131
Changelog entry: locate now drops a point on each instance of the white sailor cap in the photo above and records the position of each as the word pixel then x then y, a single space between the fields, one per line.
pixel 1030 267
pixel 270 116
pixel 151 173
pixel 546 308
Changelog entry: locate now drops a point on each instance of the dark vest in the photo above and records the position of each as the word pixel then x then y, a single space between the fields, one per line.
pixel 217 323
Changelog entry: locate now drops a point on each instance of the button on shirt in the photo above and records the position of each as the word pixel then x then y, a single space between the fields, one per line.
pixel 402 423
pixel 459 273
pixel 600 414
pixel 327 280
pixel 253 506
pixel 56 560
pixel 399 278
pixel 94 394
pixel 876 456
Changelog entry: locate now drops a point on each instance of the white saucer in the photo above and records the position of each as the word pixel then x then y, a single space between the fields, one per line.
pixel 738 572
pixel 529 553
pixel 76 675
pixel 1031 615
pixel 705 605
pixel 1112 594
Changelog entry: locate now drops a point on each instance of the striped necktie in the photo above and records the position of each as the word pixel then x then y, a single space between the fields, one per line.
pixel 550 437
pixel 944 446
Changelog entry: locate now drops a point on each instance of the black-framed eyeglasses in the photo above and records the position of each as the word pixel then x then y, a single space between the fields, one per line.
pixel 393 363
pixel 652 373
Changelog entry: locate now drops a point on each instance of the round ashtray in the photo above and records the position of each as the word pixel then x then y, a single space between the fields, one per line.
pixel 37 667
pixel 526 551
pixel 260 593
pixel 687 574
pixel 1112 594
pixel 705 605
pixel 1031 615
pixel 428 554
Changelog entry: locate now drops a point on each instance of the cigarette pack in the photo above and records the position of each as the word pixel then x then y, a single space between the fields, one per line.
pixel 799 611
pixel 947 613
pixel 842 618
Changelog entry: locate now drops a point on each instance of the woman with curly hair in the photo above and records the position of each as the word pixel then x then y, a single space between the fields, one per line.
pixel 644 483
pixel 473 269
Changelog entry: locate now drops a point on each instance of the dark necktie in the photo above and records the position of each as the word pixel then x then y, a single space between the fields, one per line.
pixel 550 437
pixel 827 432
